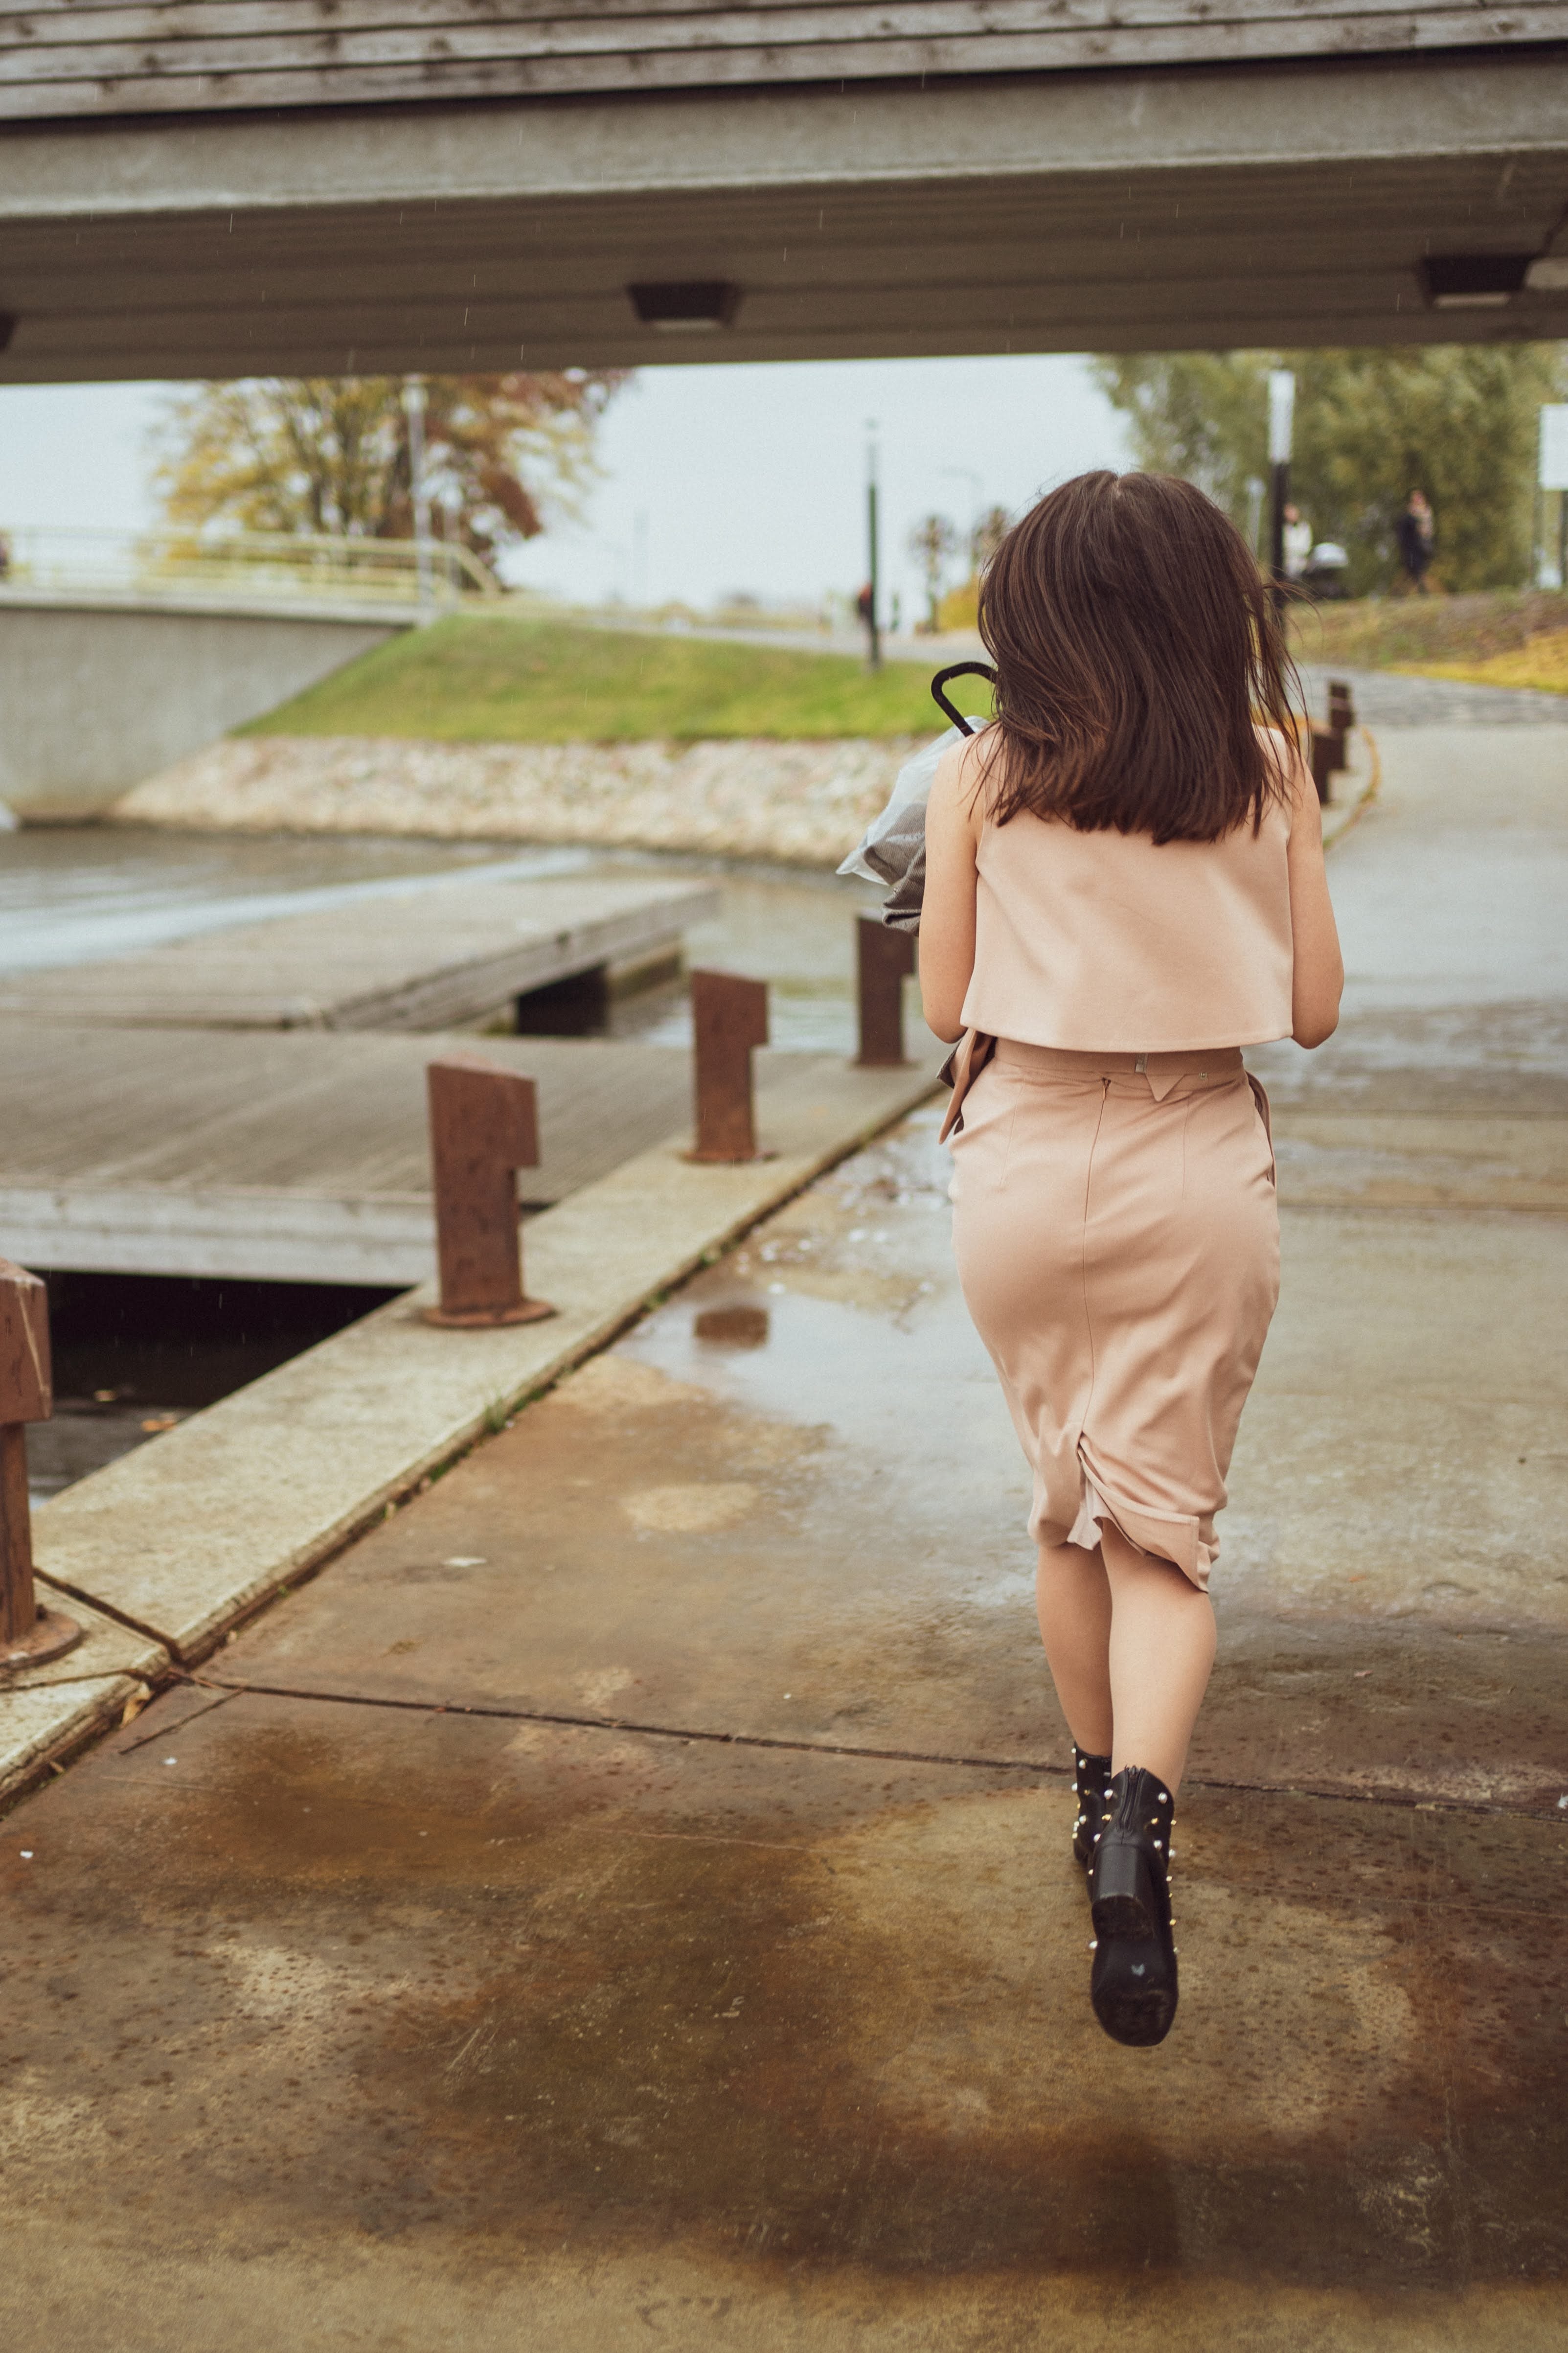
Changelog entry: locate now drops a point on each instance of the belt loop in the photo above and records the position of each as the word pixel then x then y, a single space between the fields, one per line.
pixel 1141 1063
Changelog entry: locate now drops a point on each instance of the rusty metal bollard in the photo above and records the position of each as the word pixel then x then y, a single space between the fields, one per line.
pixel 484 1127
pixel 883 957
pixel 1329 742
pixel 729 1015
pixel 28 1636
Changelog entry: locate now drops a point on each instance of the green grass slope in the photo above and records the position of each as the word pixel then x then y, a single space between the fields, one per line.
pixel 470 679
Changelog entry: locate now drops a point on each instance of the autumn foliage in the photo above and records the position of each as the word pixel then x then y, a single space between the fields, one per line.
pixel 331 454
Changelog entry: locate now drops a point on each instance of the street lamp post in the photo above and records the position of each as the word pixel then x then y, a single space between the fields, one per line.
pixel 873 624
pixel 1281 418
pixel 414 401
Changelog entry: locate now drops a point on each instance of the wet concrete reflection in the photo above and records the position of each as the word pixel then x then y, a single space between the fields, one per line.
pixel 495 1986
pixel 739 1327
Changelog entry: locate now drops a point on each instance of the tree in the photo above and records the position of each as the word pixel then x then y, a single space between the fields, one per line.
pixel 986 537
pixel 933 540
pixel 1457 421
pixel 331 453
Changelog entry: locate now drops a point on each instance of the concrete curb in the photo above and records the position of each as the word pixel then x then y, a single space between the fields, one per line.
pixel 63 1705
pixel 1340 816
pixel 179 1540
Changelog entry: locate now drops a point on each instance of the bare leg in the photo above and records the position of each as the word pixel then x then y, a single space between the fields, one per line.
pixel 1161 1654
pixel 1074 1603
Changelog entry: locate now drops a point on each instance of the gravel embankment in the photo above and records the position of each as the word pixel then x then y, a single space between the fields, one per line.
pixel 805 803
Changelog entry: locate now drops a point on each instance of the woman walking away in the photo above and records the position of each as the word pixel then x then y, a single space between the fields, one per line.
pixel 1125 887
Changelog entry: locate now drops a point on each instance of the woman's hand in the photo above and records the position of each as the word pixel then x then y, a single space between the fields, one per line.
pixel 947 912
pixel 1318 973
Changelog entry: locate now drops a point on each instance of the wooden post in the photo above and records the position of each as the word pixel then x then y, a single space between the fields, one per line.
pixel 883 955
pixel 484 1127
pixel 28 1636
pixel 729 1017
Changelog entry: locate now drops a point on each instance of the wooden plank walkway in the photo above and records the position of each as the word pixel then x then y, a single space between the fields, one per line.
pixel 304 1157
pixel 441 954
pixel 300 1157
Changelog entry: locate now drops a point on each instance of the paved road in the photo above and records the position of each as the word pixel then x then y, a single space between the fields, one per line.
pixel 1384 698
pixel 625 1897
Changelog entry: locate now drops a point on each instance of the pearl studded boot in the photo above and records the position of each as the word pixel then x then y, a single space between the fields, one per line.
pixel 1091 1787
pixel 1132 1984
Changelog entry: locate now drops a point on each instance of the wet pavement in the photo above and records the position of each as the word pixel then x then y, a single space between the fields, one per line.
pixel 626 1896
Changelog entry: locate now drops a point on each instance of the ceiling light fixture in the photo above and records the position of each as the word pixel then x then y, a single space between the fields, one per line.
pixel 1472 281
pixel 1548 274
pixel 692 306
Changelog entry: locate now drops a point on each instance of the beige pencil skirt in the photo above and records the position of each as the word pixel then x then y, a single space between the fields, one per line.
pixel 1118 1242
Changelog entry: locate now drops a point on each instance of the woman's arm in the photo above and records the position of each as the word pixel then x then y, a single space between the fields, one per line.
pixel 1318 974
pixel 947 912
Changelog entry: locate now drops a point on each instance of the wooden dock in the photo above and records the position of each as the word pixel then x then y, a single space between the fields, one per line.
pixel 433 957
pixel 301 1157
pixel 305 1157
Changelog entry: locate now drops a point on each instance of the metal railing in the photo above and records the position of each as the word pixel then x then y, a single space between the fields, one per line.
pixel 243 568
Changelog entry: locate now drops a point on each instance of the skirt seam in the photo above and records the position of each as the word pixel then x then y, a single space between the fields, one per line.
pixel 1083 1257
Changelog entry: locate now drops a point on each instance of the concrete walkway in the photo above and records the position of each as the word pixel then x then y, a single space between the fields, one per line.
pixel 625 1897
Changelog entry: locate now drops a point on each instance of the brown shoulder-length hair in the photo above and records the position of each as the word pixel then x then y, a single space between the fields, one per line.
pixel 1137 649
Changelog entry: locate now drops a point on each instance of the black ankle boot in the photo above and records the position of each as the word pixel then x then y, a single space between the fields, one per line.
pixel 1091 1787
pixel 1134 1982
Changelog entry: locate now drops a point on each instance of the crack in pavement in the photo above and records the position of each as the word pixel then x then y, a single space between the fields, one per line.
pixel 1399 1800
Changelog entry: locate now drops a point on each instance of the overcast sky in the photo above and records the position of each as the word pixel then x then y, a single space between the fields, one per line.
pixel 715 479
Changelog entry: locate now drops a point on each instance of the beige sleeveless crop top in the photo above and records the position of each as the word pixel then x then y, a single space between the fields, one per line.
pixel 1103 943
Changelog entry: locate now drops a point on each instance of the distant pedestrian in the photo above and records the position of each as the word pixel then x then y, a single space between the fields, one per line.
pixel 1414 531
pixel 1114 906
pixel 1297 537
pixel 866 612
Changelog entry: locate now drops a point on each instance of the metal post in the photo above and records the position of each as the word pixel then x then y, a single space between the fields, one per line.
pixel 883 955
pixel 1328 746
pixel 873 621
pixel 728 1017
pixel 29 1636
pixel 413 402
pixel 484 1127
pixel 1282 420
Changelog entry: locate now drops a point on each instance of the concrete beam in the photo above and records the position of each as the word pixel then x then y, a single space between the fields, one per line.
pixel 1248 204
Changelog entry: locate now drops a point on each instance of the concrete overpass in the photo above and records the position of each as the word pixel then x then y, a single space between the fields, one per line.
pixel 120 653
pixel 223 186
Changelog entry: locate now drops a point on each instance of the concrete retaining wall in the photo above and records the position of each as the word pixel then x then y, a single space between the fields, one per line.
pixel 805 802
pixel 94 698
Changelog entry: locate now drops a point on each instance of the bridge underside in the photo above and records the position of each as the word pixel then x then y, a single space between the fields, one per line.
pixel 1182 208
